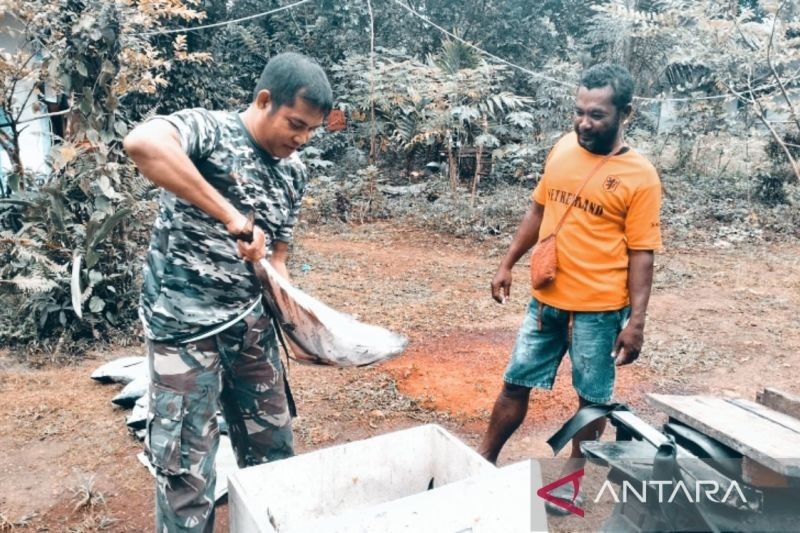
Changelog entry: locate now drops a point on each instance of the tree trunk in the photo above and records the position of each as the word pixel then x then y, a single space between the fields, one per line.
pixel 452 167
pixel 16 181
pixel 10 143
pixel 477 177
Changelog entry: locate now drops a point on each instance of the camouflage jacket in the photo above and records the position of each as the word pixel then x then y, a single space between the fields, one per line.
pixel 193 279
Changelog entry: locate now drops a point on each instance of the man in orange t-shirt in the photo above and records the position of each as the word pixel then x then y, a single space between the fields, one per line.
pixel 595 307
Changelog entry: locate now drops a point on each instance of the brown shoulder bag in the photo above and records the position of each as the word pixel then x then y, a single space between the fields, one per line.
pixel 544 256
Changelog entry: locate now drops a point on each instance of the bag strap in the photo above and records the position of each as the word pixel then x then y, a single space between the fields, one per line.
pixel 580 190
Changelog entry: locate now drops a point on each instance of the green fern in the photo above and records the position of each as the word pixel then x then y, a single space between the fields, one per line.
pixel 405 128
pixel 23 251
pixel 31 284
pixel 140 186
pixel 455 56
pixel 252 38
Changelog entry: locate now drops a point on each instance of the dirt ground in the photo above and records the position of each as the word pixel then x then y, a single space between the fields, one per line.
pixel 722 320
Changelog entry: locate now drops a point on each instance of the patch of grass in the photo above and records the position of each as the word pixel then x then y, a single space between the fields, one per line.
pixel 676 356
pixel 9 524
pixel 85 494
pixel 95 522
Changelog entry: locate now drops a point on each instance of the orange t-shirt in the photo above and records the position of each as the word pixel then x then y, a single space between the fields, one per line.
pixel 618 210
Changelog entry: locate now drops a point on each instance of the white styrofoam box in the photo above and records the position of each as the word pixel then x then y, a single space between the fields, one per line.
pixel 286 495
pixel 499 501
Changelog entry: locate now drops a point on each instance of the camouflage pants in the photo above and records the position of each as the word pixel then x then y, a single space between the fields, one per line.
pixel 239 369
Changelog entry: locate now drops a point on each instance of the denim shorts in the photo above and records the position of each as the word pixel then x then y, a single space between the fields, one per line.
pixel 547 333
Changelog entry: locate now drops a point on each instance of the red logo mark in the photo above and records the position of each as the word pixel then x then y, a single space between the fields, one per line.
pixel 611 183
pixel 575 479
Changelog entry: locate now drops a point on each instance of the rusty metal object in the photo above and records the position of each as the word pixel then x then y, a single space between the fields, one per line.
pixel 336 120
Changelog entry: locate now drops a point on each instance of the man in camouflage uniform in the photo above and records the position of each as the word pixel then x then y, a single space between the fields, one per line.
pixel 209 340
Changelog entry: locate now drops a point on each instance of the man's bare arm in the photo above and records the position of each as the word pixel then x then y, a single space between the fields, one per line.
pixel 156 149
pixel 280 253
pixel 640 280
pixel 526 236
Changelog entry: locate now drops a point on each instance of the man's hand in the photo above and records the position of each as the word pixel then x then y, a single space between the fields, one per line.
pixel 640 279
pixel 629 344
pixel 501 284
pixel 250 251
pixel 524 239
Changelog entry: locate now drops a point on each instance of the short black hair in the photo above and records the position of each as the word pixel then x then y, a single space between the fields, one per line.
pixel 615 76
pixel 289 75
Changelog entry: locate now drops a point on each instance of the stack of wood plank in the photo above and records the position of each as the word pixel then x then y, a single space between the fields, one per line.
pixel 766 432
pixel 749 452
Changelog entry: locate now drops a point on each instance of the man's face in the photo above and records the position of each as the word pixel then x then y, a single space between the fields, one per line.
pixel 597 120
pixel 283 130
